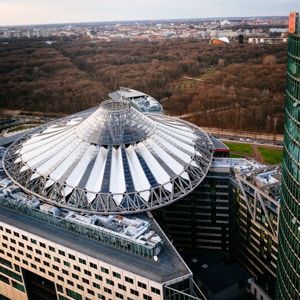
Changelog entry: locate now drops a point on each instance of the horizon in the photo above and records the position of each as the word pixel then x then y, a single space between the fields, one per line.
pixel 146 20
pixel 34 12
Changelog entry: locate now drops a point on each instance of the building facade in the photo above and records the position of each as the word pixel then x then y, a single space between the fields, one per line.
pixel 38 262
pixel 200 221
pixel 255 205
pixel 288 269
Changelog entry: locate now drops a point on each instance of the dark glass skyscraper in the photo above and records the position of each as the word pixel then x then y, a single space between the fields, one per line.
pixel 288 268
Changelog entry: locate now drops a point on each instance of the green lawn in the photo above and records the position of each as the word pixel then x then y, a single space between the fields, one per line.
pixel 232 155
pixel 240 148
pixel 270 156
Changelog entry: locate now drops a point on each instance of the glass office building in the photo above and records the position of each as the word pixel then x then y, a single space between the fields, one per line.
pixel 288 269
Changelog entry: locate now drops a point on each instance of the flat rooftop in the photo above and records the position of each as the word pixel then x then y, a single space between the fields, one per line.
pixel 139 100
pixel 168 267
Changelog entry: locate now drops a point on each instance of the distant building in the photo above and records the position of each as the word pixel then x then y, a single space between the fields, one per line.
pixel 266 40
pixel 219 41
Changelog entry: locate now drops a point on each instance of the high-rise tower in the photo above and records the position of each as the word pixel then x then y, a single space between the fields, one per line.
pixel 288 269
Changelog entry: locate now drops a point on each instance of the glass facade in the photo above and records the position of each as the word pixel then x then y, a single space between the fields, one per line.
pixel 200 221
pixel 288 268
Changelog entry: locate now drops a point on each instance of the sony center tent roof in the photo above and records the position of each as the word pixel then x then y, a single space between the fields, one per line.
pixel 115 160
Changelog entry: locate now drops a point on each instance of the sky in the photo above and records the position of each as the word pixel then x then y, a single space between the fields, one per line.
pixel 27 12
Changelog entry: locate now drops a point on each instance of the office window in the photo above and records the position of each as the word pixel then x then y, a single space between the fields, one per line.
pixel 55 267
pixel 60 278
pixel 75 276
pixel 16 234
pixel 4 279
pixel 42 245
pixel 17 268
pixel 104 270
pixel 142 285
pixel 67 264
pixel 59 288
pixel 33 241
pixel 5 262
pixel 134 292
pixel 121 287
pixel 87 272
pixel 21 244
pixel 8 230
pixel 107 290
pixel 37 251
pixel 13 241
pixel 71 256
pixel 65 271
pixel 5 237
pixel 82 261
pixel 33 266
pixel 46 263
pixel 80 287
pixel 99 277
pixel 61 252
pixel 56 259
pixel 92 265
pixel 17 258
pixel 37 259
pixel 85 280
pixel 90 292
pixel 70 282
pixel 128 279
pixel 24 237
pixel 50 273
pixel 51 248
pixel 48 255
pixel 155 290
pixel 42 270
pixel 29 248
pixel 108 281
pixel 96 285
pixel 76 268
pixel 117 275
pixel 120 296
pixel 18 286
pixel 73 295
pixel 25 262
pixel 146 297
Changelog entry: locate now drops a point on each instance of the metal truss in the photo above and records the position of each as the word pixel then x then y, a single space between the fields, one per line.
pixel 103 203
pixel 260 198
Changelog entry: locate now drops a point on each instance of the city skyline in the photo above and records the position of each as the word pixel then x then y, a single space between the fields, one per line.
pixel 33 12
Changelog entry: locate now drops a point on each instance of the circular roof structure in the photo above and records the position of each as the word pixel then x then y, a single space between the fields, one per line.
pixel 113 160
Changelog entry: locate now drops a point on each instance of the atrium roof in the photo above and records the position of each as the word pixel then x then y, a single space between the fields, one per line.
pixel 115 160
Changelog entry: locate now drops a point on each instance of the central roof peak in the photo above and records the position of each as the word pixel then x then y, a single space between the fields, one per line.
pixel 115 123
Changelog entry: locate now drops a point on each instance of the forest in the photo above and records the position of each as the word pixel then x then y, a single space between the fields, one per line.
pixel 234 86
